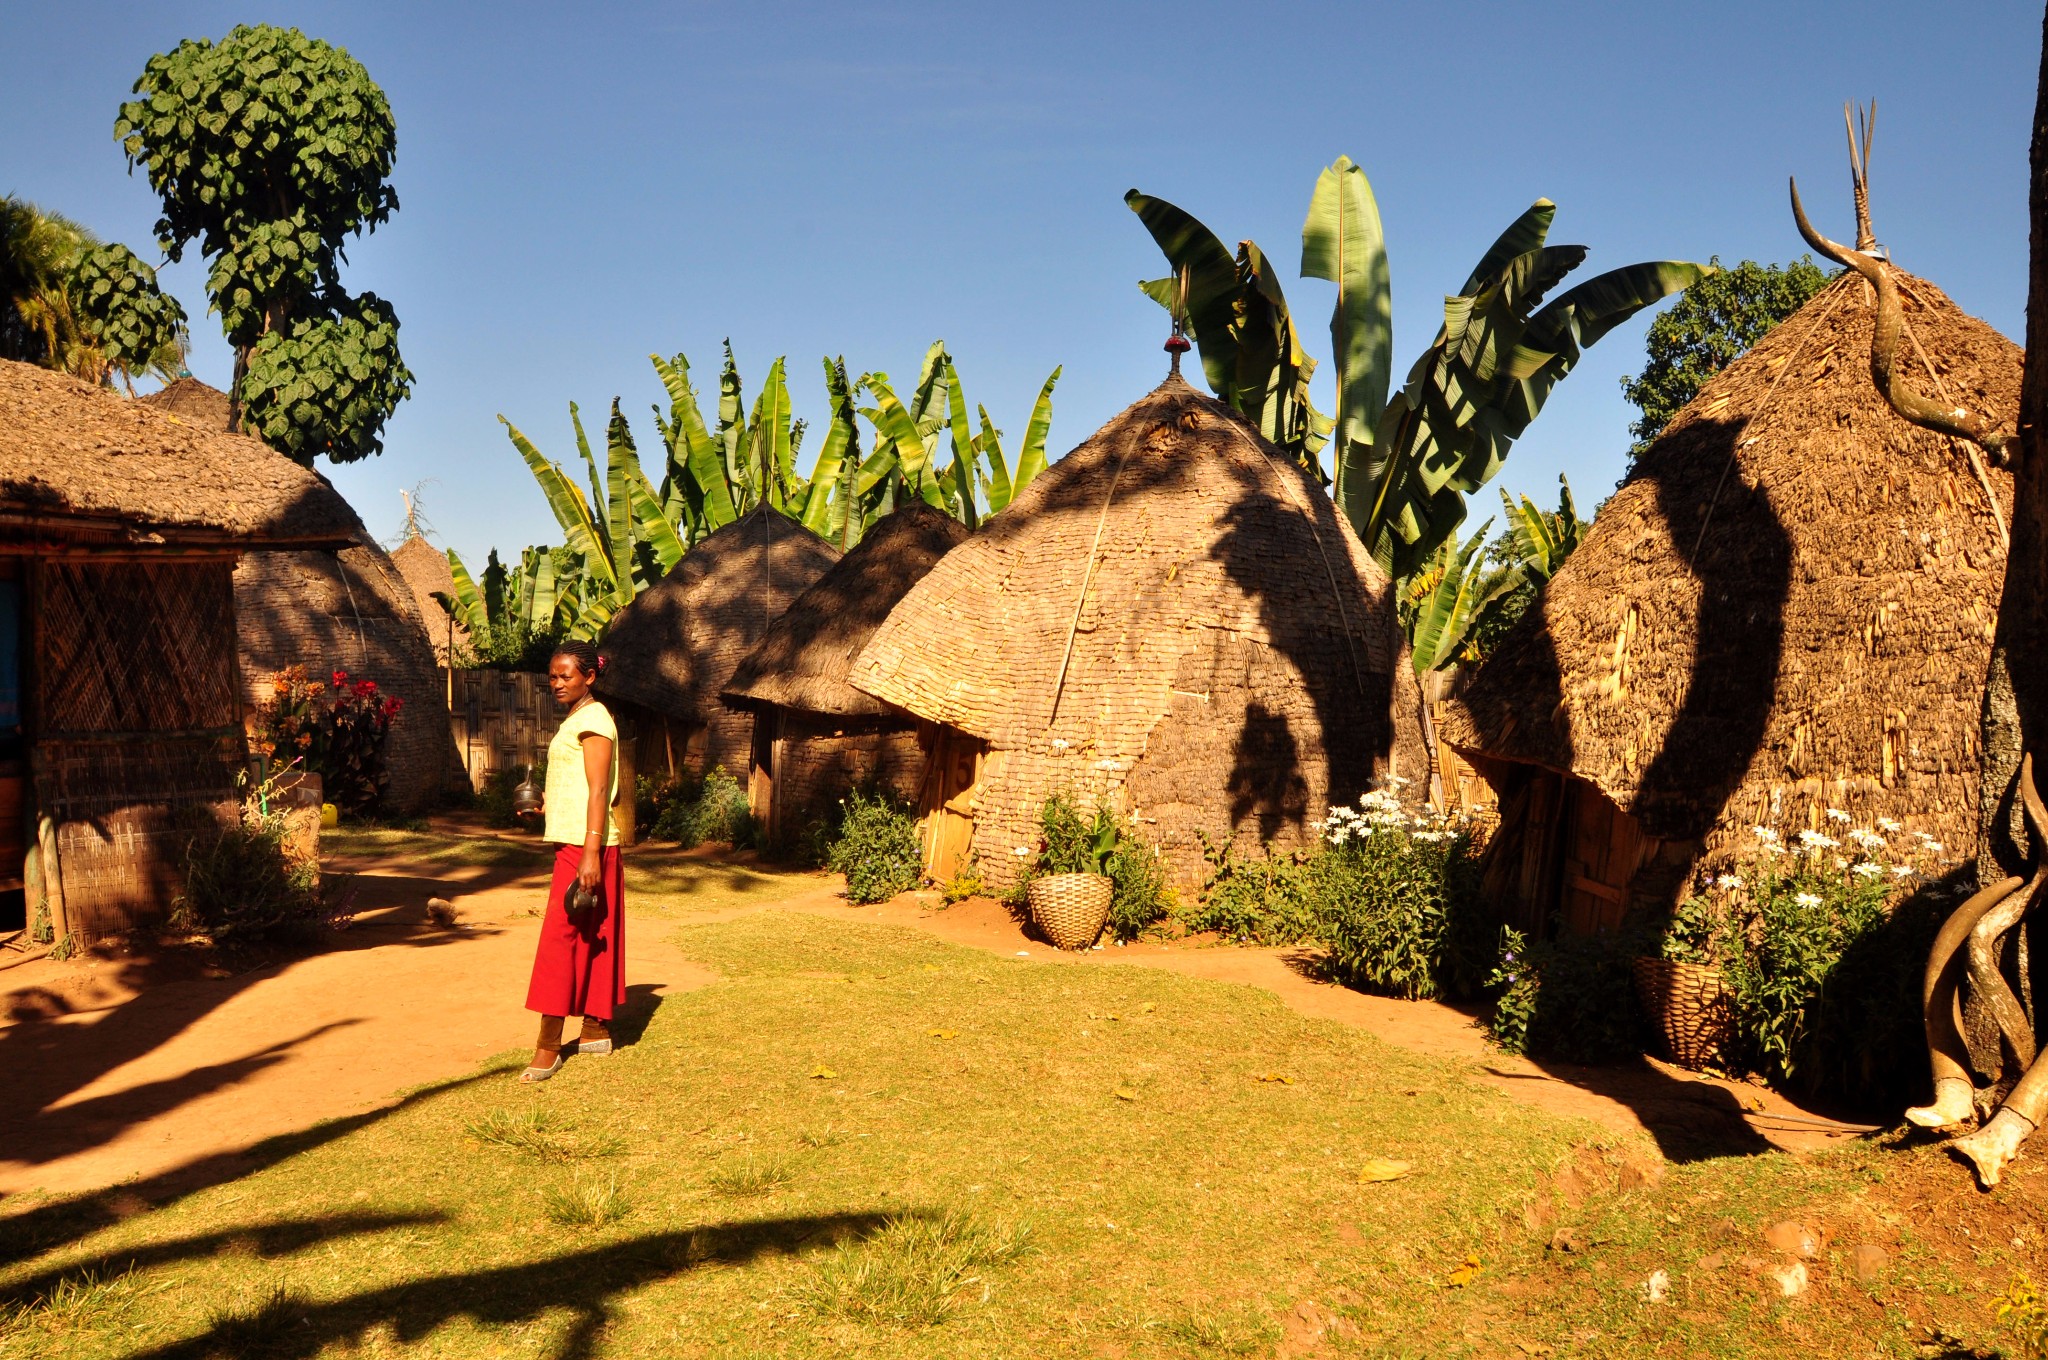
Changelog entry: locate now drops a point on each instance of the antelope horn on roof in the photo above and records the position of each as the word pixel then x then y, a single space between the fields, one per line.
pixel 1908 401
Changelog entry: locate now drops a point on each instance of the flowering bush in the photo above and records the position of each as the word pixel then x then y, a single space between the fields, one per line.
pixel 1824 957
pixel 877 847
pixel 336 731
pixel 1392 897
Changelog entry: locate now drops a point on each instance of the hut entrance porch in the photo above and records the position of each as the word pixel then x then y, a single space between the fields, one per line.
pixel 945 799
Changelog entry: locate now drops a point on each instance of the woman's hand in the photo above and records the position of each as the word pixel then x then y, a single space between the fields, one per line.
pixel 588 872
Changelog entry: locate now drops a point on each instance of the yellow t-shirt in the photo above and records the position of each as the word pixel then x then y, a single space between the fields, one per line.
pixel 568 788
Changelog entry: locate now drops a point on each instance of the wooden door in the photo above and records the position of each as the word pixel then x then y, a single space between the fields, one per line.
pixel 761 770
pixel 1601 852
pixel 945 803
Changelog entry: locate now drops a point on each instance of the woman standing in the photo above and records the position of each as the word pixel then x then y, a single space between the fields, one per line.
pixel 579 967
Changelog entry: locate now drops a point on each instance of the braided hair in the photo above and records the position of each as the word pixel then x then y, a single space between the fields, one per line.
pixel 584 654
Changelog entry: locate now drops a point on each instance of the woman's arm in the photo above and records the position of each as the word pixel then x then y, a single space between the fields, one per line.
pixel 597 772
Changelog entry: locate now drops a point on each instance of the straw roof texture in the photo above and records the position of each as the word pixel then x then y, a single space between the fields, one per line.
pixel 1234 667
pixel 426 571
pixel 803 660
pixel 1787 607
pixel 194 402
pixel 71 450
pixel 674 647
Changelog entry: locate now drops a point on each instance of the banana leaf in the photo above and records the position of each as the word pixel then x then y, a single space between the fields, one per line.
pixel 966 454
pixel 896 431
pixel 1213 285
pixel 1031 456
pixel 1342 241
pixel 996 487
pixel 620 455
pixel 732 427
pixel 571 511
pixel 698 459
pixel 466 598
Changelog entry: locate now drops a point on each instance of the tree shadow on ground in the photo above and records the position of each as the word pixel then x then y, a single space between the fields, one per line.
pixel 584 1283
pixel 44 1227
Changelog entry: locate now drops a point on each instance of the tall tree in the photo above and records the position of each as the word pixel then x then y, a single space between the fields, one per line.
pixel 1713 323
pixel 270 149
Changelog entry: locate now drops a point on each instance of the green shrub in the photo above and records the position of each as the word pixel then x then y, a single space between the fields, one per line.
pixel 691 813
pixel 246 883
pixel 1392 898
pixel 494 802
pixel 1571 999
pixel 877 848
pixel 336 729
pixel 1070 843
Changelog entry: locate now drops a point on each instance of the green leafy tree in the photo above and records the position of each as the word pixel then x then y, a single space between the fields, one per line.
pixel 1711 325
pixel 73 303
pixel 270 149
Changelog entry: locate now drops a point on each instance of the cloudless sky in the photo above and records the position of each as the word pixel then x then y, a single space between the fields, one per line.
pixel 583 185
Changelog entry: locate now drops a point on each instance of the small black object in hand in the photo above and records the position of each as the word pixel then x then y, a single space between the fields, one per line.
pixel 581 903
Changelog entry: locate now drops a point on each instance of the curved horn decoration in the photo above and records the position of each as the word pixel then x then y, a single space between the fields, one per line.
pixel 1903 397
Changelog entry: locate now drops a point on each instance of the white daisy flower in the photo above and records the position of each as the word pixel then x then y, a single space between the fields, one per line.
pixel 1020 850
pixel 1807 900
pixel 1060 743
pixel 1814 840
pixel 1727 882
pixel 1837 815
pixel 1868 870
pixel 1888 826
pixel 1901 870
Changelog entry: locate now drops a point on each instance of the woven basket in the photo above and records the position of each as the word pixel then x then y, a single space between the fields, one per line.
pixel 1689 1007
pixel 1069 909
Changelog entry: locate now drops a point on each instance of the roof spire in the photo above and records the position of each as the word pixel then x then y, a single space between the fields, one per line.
pixel 1177 343
pixel 1859 168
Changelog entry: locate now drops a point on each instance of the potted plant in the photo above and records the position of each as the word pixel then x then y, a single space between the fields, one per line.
pixel 1682 990
pixel 1070 889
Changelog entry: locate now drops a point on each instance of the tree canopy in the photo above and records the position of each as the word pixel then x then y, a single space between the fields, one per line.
pixel 1711 325
pixel 69 301
pixel 269 149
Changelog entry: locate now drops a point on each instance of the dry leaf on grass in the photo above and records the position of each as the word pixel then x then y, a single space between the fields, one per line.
pixel 942 1033
pixel 821 1072
pixel 1381 1169
pixel 1465 1273
pixel 1280 1077
pixel 1126 1093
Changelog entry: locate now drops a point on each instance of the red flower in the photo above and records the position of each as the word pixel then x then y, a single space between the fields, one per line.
pixel 340 678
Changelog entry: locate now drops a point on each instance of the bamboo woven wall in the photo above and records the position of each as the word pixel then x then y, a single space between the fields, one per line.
pixel 1235 666
pixel 502 720
pixel 138 736
pixel 1787 608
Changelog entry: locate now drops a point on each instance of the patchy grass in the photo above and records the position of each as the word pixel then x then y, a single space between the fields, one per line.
pixel 1209 1213
pixel 541 1133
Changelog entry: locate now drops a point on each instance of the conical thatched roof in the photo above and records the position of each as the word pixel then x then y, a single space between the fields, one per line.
pixel 1787 607
pixel 804 659
pixel 194 402
pixel 1235 666
pixel 78 452
pixel 426 572
pixel 673 649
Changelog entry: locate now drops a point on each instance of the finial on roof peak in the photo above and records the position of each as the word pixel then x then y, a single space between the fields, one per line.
pixel 1177 343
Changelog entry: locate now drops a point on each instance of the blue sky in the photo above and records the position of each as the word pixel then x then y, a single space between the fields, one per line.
pixel 584 185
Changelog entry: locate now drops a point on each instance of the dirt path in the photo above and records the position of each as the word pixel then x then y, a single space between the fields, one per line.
pixel 120 1070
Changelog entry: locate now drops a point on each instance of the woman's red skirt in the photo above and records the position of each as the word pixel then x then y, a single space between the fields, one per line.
pixel 581 970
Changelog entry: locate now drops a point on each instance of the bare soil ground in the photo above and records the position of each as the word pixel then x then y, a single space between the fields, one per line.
pixel 132 1061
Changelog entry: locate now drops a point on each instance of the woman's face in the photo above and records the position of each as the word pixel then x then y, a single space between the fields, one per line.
pixel 566 681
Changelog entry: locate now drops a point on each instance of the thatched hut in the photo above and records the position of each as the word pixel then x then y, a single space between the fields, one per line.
pixel 815 735
pixel 675 647
pixel 1174 621
pixel 349 611
pixel 1786 608
pixel 426 573
pixel 121 712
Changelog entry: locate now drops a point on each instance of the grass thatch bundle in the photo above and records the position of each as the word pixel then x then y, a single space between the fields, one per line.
pixel 1173 620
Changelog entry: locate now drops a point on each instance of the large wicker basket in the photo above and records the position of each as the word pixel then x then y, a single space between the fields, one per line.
pixel 1689 1007
pixel 1069 909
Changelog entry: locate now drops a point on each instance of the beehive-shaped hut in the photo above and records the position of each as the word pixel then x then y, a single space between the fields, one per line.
pixel 1786 608
pixel 1173 621
pixel 347 611
pixel 815 735
pixel 426 573
pixel 121 735
pixel 672 650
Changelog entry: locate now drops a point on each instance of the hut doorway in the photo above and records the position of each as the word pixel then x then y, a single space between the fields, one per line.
pixel 1603 847
pixel 945 801
pixel 761 771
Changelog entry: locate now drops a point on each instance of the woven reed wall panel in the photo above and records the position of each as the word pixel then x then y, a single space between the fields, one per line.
pixel 350 612
pixel 127 813
pixel 820 763
pixel 134 647
pixel 1227 593
pixel 503 720
pixel 1828 645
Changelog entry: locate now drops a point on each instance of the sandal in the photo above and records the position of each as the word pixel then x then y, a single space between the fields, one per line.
pixel 593 1048
pixel 543 1073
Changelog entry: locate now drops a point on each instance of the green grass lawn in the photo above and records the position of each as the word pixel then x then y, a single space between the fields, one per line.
pixel 865 1142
